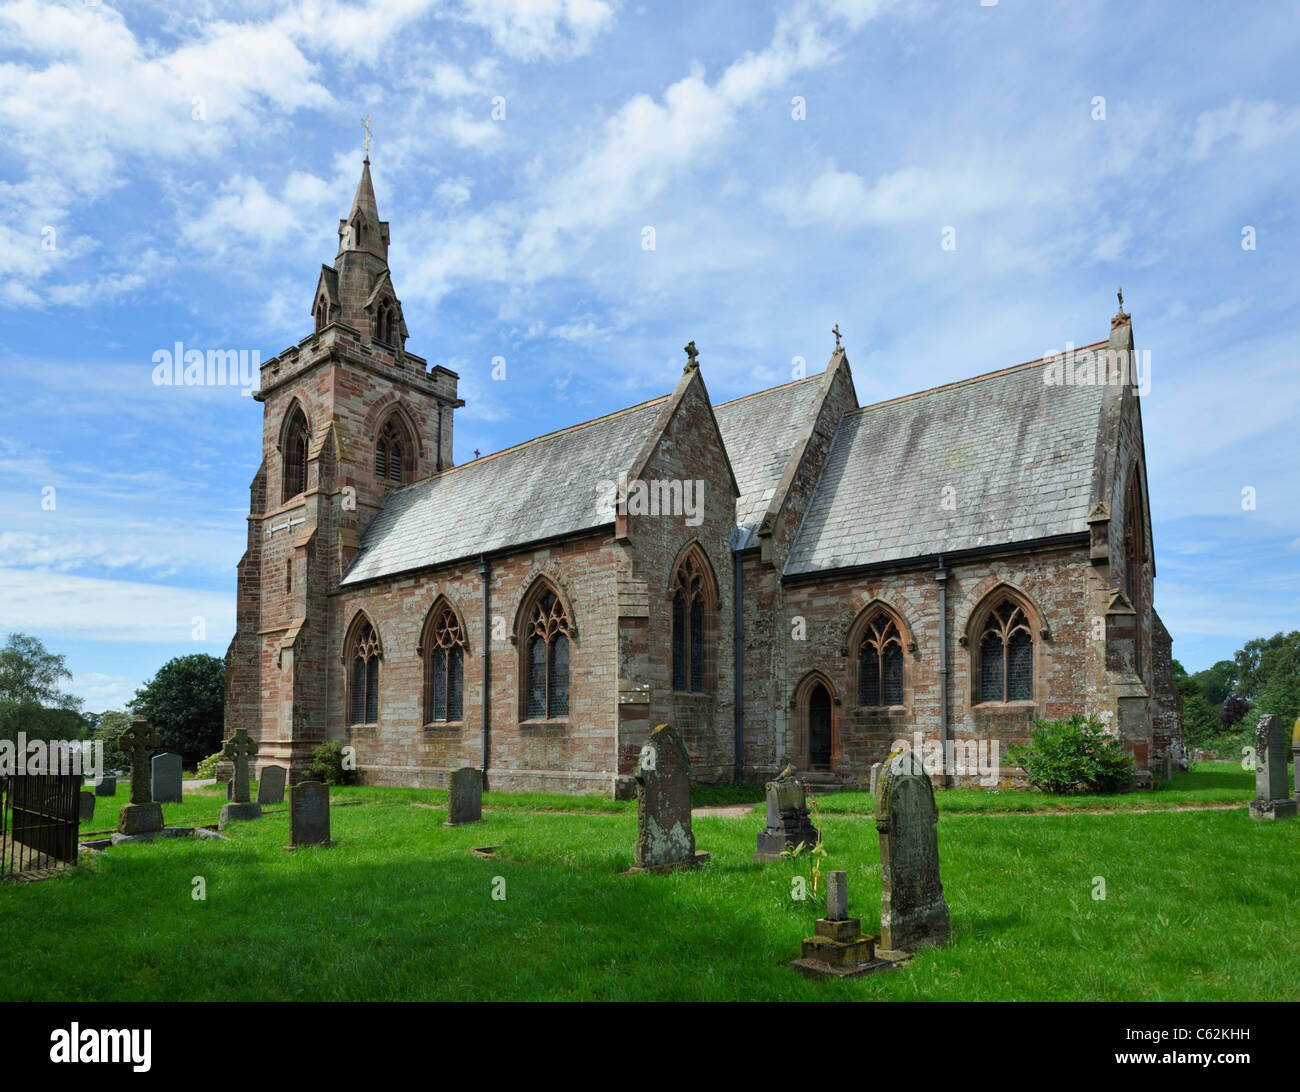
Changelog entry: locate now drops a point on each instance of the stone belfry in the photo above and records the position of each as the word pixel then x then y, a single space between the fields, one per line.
pixel 348 415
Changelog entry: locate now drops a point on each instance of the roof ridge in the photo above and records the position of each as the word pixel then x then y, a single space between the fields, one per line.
pixel 971 379
pixel 534 440
pixel 769 390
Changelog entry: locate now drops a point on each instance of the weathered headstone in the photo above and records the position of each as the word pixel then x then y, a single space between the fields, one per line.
pixel 788 822
pixel 1167 766
pixel 837 948
pixel 239 748
pixel 465 799
pixel 270 785
pixel 142 816
pixel 105 785
pixel 876 767
pixel 309 815
pixel 663 804
pixel 1272 794
pixel 166 778
pixel 1295 756
pixel 87 800
pixel 913 912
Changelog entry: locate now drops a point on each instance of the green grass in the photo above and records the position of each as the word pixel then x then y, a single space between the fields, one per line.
pixel 1199 906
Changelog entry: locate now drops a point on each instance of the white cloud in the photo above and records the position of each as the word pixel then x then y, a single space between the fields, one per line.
pixel 532 30
pixel 1253 125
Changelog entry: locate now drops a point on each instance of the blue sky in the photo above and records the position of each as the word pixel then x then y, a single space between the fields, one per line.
pixel 176 172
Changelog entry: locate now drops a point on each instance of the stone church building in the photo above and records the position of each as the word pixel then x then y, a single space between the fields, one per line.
pixel 786 577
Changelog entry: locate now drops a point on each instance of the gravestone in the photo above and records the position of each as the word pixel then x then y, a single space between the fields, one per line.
pixel 837 947
pixel 105 785
pixel 309 815
pixel 1272 794
pixel 239 748
pixel 142 817
pixel 270 785
pixel 913 912
pixel 166 778
pixel 87 806
pixel 465 804
pixel 876 767
pixel 663 804
pixel 1167 766
pixel 788 822
pixel 1295 756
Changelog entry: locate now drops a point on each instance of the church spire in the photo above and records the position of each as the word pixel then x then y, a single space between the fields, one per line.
pixel 363 230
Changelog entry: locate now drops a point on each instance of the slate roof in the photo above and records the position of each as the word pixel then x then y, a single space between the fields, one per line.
pixel 1017 452
pixel 759 431
pixel 536 490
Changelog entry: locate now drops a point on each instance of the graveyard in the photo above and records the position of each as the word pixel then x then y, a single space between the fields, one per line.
pixel 1198 901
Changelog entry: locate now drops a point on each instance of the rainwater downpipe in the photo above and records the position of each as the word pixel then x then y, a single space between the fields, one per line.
pixel 941 577
pixel 739 672
pixel 485 572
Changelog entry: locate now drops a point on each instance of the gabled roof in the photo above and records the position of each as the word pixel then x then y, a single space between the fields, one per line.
pixel 759 432
pixel 1017 453
pixel 537 490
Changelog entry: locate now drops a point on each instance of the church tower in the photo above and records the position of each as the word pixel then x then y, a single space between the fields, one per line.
pixel 348 415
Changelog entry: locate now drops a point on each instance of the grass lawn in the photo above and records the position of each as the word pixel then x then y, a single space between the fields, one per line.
pixel 1199 906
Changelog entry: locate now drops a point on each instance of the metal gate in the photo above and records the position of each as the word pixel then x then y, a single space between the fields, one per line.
pixel 39 816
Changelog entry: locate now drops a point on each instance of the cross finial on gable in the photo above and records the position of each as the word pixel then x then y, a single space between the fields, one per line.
pixel 1119 294
pixel 691 353
pixel 836 331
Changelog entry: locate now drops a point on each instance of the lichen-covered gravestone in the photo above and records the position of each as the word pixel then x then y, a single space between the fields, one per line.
pixel 165 778
pixel 106 785
pixel 1272 795
pixel 838 947
pixel 788 822
pixel 141 817
pixel 465 799
pixel 239 748
pixel 270 785
pixel 309 815
pixel 87 800
pixel 663 804
pixel 913 912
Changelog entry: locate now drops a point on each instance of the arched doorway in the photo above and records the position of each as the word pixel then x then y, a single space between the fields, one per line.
pixel 819 728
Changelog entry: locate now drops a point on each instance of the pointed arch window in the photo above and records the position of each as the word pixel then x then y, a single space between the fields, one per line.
pixel 294 455
pixel 322 312
pixel 1006 655
pixel 444 668
pixel 880 663
pixel 364 676
pixel 693 603
pixel 386 322
pixel 546 659
pixel 391 451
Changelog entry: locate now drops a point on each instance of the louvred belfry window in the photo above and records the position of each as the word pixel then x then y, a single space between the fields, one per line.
pixel 546 651
pixel 444 669
pixel 880 664
pixel 365 675
pixel 389 452
pixel 294 456
pixel 1006 655
pixel 691 604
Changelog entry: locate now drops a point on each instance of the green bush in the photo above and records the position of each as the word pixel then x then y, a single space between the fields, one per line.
pixel 208 767
pixel 1072 755
pixel 327 765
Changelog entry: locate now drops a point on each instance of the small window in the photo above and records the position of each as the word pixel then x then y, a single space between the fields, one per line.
pixel 365 675
pixel 691 619
pixel 1006 655
pixel 390 451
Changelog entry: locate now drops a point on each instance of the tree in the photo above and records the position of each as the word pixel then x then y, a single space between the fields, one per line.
pixel 1233 710
pixel 185 702
pixel 108 729
pixel 1262 659
pixel 30 673
pixel 1217 682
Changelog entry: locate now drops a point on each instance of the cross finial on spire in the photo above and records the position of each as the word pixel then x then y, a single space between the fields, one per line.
pixel 836 331
pixel 691 353
pixel 1119 294
pixel 365 121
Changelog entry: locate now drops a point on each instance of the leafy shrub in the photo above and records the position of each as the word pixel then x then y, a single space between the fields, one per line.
pixel 208 767
pixel 327 765
pixel 1074 754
